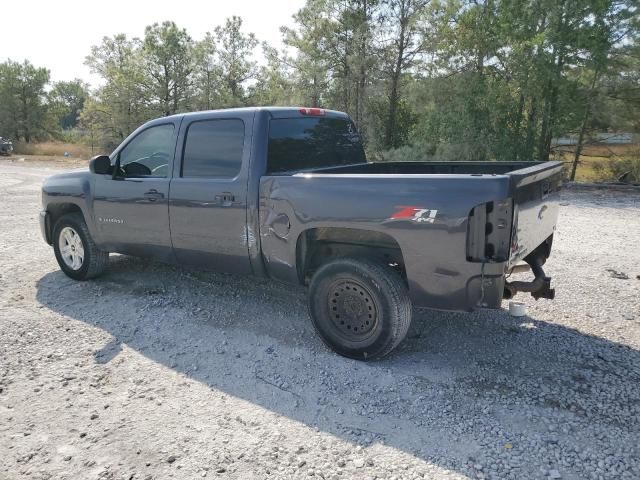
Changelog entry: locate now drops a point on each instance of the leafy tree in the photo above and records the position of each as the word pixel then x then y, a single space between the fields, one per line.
pixel 92 122
pixel 120 105
pixel 168 62
pixel 22 96
pixel 66 100
pixel 235 60
pixel 336 59
pixel 520 71
pixel 601 37
pixel 425 79
pixel 403 41
pixel 621 87
pixel 9 88
pixel 311 65
pixel 207 74
pixel 275 83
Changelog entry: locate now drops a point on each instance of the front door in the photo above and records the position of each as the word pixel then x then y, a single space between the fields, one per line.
pixel 131 207
pixel 208 198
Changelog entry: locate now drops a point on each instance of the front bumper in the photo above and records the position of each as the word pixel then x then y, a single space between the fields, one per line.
pixel 45 226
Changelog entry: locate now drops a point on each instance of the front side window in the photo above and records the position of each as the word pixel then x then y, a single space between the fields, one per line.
pixel 311 143
pixel 213 148
pixel 149 153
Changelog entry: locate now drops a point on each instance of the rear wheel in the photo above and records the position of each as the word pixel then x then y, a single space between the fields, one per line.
pixel 76 252
pixel 360 308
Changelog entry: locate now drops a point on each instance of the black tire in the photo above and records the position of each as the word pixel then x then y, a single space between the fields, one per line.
pixel 94 261
pixel 360 308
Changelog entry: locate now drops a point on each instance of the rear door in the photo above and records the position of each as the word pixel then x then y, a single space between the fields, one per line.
pixel 208 194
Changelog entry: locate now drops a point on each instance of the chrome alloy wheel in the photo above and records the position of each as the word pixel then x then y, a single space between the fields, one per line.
pixel 71 248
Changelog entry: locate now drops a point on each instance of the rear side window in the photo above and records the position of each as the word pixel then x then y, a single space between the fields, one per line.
pixel 310 143
pixel 213 148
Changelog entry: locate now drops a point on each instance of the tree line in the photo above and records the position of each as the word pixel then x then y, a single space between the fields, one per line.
pixel 422 79
pixel 33 109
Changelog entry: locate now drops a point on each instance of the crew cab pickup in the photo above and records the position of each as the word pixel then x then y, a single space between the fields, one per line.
pixel 287 193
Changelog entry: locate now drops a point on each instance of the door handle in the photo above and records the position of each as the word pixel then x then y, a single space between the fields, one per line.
pixel 153 195
pixel 225 199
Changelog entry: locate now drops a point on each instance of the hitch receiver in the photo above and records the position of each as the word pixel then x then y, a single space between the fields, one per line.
pixel 539 287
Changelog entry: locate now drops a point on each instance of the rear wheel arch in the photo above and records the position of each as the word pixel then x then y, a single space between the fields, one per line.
pixel 317 246
pixel 360 308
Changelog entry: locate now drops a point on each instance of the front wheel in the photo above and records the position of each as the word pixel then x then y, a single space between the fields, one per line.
pixel 360 308
pixel 76 252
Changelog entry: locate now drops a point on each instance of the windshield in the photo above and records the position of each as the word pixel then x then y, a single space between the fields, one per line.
pixel 311 143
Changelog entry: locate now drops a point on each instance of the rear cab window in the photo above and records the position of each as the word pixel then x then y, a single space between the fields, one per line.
pixel 309 143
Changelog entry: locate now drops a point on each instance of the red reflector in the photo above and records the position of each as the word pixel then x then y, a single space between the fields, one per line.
pixel 312 111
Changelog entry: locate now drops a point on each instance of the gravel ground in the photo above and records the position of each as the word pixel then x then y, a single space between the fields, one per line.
pixel 152 371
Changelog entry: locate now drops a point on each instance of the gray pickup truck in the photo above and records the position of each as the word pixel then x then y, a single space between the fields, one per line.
pixel 287 193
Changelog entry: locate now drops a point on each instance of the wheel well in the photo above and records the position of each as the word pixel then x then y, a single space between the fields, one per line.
pixel 57 210
pixel 317 246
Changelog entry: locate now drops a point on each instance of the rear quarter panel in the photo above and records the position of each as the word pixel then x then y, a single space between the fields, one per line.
pixel 434 249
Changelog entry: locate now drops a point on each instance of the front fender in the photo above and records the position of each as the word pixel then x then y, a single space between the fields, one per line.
pixel 67 192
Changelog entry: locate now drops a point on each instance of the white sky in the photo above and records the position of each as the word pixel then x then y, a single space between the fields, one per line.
pixel 58 34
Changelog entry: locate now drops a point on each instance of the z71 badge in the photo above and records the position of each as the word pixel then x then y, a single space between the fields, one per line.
pixel 415 214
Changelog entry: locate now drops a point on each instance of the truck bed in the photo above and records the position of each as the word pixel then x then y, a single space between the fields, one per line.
pixel 459 168
pixel 459 225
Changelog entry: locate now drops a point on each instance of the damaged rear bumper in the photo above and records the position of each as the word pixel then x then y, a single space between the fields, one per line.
pixel 539 287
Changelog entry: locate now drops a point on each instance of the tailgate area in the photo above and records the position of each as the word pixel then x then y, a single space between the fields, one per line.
pixel 536 207
pixel 519 228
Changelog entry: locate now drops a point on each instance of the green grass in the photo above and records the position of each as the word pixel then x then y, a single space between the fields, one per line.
pixel 600 163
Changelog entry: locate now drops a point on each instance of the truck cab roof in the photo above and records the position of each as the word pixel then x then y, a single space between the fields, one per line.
pixel 275 112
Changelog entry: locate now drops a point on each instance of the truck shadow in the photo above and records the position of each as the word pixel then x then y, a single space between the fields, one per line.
pixel 460 388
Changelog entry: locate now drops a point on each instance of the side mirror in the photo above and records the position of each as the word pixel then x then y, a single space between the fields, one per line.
pixel 100 164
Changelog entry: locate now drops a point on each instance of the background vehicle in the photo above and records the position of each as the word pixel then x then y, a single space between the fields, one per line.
pixel 6 146
pixel 287 193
